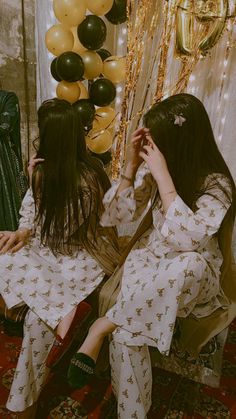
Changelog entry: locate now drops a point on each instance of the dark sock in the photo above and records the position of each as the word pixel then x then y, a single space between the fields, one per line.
pixel 81 369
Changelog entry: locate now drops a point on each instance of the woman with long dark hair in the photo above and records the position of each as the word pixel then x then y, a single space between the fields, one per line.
pixel 185 195
pixel 67 252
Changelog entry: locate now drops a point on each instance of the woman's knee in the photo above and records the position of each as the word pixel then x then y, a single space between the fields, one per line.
pixel 194 263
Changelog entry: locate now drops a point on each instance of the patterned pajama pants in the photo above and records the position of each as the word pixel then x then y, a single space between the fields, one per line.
pixel 131 379
pixel 31 371
pixel 148 314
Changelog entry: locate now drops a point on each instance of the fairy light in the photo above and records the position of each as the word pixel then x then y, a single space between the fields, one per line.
pixel 118 101
pixel 192 78
pixel 50 55
pixel 120 50
pixel 223 120
pixel 225 96
pixel 225 63
pixel 51 13
pixel 121 41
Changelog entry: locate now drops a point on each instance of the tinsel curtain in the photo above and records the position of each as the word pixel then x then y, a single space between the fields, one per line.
pixel 155 70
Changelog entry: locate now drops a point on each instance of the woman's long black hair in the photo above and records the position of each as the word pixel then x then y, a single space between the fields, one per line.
pixel 69 185
pixel 189 146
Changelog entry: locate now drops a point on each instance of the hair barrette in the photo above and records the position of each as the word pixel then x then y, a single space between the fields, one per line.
pixel 179 120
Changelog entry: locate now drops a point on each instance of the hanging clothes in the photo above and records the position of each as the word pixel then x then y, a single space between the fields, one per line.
pixel 13 183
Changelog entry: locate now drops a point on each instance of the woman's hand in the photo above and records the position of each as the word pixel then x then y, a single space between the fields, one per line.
pixel 138 139
pixel 133 159
pixel 155 160
pixel 32 164
pixel 12 241
pixel 159 170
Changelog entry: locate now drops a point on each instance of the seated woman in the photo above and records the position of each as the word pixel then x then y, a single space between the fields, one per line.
pixel 67 251
pixel 173 269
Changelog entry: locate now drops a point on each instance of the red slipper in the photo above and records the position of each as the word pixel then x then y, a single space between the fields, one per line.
pixel 60 346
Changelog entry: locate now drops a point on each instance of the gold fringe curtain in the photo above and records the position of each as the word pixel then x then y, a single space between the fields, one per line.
pixel 165 42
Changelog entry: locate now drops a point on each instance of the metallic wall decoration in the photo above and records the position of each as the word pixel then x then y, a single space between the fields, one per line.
pixel 208 16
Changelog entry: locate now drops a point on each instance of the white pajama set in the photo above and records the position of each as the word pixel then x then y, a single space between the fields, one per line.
pixel 172 270
pixel 51 286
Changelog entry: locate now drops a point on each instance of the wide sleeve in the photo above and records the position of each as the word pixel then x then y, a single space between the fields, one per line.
pixel 27 211
pixel 185 230
pixel 131 203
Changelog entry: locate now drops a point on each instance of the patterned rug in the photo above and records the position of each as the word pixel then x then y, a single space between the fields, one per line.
pixel 174 397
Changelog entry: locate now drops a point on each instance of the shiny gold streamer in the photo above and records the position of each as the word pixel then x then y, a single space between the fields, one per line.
pixel 168 15
pixel 195 25
pixel 138 12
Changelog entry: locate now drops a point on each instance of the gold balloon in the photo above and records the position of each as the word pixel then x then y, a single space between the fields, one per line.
pixel 104 118
pixel 185 28
pixel 99 7
pixel 99 141
pixel 206 12
pixel 77 47
pixel 69 12
pixel 83 91
pixel 216 29
pixel 114 69
pixel 59 39
pixel 68 91
pixel 92 64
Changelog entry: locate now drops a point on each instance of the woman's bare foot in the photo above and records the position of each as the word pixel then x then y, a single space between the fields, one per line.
pixel 82 365
pixel 94 340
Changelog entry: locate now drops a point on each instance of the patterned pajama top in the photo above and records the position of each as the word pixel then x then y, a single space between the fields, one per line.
pixel 174 268
pixel 50 285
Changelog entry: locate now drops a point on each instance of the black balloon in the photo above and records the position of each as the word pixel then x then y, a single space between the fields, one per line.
pixel 117 14
pixel 92 32
pixel 53 69
pixel 70 66
pixel 102 92
pixel 104 54
pixel 86 110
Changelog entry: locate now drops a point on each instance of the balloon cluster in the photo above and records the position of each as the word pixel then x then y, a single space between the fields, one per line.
pixel 77 44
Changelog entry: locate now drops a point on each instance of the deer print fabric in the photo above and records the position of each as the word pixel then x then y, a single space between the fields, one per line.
pixel 173 270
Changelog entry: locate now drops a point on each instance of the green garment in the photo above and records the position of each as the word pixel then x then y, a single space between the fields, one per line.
pixel 13 182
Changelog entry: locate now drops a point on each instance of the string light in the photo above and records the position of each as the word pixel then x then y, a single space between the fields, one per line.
pixel 121 41
pixel 223 120
pixel 52 15
pixel 50 55
pixel 192 78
